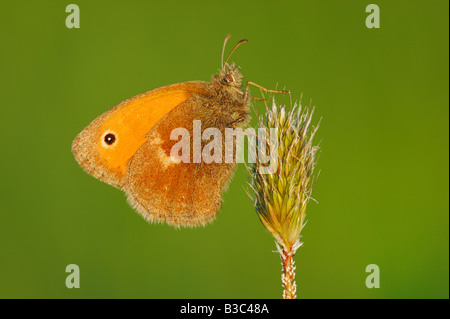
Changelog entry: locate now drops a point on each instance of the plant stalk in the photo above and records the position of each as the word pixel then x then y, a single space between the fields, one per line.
pixel 288 276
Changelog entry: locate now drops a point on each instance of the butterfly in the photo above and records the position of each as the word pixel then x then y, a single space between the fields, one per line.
pixel 129 146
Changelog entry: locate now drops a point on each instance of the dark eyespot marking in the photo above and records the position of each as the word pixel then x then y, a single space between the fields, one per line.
pixel 110 138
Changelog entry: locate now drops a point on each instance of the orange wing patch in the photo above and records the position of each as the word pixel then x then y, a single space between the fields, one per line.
pixel 130 122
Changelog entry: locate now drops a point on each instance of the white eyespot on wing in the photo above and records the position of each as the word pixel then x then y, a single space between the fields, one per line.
pixel 163 158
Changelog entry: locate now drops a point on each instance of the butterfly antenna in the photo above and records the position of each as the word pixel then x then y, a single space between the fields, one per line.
pixel 234 49
pixel 223 48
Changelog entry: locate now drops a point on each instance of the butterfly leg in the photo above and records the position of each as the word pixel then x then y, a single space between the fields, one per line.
pixel 246 94
pixel 233 123
pixel 257 98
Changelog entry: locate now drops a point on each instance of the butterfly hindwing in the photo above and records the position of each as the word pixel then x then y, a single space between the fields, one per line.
pixel 161 189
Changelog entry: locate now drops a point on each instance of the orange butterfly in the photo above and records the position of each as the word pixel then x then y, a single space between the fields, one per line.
pixel 129 146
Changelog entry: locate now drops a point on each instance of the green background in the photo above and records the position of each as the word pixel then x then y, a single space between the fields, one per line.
pixel 383 197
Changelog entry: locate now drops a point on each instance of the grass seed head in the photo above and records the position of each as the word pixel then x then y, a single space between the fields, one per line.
pixel 280 199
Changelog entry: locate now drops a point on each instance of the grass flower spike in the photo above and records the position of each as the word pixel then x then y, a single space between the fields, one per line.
pixel 280 199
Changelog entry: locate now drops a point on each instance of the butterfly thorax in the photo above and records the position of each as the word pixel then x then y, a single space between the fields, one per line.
pixel 231 106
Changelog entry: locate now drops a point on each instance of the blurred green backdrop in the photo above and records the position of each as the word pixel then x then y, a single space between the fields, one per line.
pixel 383 188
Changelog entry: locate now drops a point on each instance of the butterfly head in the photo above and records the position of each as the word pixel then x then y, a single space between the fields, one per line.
pixel 229 76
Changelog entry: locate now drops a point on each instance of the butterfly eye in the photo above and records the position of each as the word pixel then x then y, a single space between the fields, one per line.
pixel 230 78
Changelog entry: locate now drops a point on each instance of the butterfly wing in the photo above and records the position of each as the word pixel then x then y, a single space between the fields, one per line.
pixel 181 194
pixel 126 126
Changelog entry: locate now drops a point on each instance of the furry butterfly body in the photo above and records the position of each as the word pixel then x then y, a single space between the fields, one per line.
pixel 137 160
pixel 129 147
